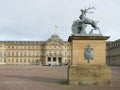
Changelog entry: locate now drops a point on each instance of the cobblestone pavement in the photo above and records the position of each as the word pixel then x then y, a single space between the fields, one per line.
pixel 46 78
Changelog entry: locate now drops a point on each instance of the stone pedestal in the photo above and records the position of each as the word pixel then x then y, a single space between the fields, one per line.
pixel 94 72
pixel 89 75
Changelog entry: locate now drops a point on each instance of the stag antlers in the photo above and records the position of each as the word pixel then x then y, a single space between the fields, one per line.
pixel 87 9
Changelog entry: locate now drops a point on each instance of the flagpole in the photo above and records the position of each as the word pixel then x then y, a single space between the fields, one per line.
pixel 55 29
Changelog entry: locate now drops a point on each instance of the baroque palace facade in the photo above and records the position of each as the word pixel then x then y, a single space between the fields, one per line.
pixel 54 51
pixel 113 52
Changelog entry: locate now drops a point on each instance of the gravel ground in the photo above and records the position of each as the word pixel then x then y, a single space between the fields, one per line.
pixel 46 78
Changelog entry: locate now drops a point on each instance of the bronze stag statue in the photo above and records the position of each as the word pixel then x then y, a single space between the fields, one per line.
pixel 87 20
pixel 79 26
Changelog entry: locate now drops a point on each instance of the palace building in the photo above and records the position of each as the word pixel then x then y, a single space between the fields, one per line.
pixel 113 52
pixel 54 51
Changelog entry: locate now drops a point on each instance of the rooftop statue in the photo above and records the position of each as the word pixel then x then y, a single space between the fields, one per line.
pixel 79 26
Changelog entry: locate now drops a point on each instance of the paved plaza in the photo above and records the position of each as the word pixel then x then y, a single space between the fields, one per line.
pixel 46 78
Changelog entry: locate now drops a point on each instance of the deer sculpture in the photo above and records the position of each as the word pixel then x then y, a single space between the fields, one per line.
pixel 86 20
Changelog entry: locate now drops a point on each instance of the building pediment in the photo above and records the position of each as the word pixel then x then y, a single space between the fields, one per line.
pixel 55 42
pixel 54 39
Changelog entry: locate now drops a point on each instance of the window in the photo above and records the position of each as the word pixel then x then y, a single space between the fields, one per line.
pixel 28 53
pixel 12 60
pixel 12 46
pixel 24 53
pixel 12 53
pixel 4 53
pixel 40 54
pixel 20 53
pixel 4 59
pixel 28 47
pixel 65 53
pixel 17 60
pixel 36 60
pixel 59 46
pixel 0 60
pixel 55 53
pixel 20 47
pixel 49 59
pixel 54 59
pixel 8 60
pixel 36 53
pixel 24 47
pixel 8 53
pixel 28 60
pixel 20 60
pixel 59 53
pixel 32 60
pixel 54 46
pixel 24 60
pixel 16 53
pixel 32 53
pixel 8 46
pixel 32 47
pixel 68 54
pixel 60 60
pixel 50 53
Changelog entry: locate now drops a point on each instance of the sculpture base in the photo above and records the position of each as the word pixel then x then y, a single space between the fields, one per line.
pixel 89 75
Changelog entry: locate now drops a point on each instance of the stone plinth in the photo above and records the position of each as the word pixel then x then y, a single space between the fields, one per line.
pixel 94 72
pixel 89 75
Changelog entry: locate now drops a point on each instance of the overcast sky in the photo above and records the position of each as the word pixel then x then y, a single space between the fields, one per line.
pixel 36 19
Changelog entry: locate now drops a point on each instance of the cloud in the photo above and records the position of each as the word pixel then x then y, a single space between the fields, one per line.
pixel 35 19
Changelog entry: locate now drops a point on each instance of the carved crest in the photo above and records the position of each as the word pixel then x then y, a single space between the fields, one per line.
pixel 89 53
